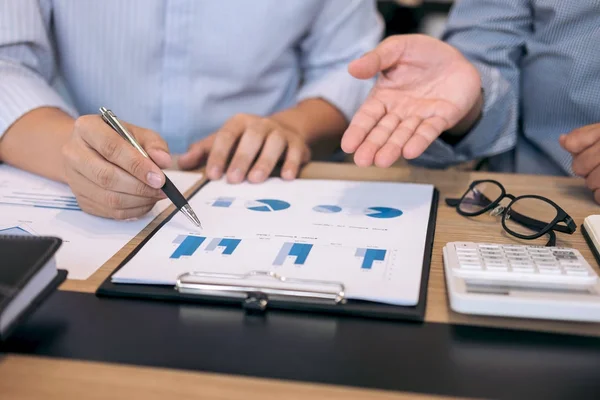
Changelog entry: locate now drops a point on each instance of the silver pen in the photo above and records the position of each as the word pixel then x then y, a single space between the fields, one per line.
pixel 168 188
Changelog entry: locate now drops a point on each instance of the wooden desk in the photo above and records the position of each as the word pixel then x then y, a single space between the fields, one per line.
pixel 32 377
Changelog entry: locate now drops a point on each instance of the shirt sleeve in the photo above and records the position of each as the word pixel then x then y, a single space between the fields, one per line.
pixel 491 34
pixel 343 31
pixel 27 63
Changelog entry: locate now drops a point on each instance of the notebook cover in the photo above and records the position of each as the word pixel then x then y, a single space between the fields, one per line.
pixel 30 253
pixel 352 307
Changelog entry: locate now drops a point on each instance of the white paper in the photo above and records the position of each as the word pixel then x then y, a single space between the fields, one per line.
pixel 31 205
pixel 305 229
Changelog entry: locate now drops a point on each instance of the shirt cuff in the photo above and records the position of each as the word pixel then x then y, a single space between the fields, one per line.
pixel 22 91
pixel 494 133
pixel 340 89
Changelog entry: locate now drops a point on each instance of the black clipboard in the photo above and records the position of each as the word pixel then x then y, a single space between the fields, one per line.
pixel 258 301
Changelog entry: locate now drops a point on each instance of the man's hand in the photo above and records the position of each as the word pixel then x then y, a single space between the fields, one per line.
pixel 584 145
pixel 426 87
pixel 257 144
pixel 109 177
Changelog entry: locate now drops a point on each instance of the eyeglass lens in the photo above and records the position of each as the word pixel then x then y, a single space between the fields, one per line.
pixel 479 197
pixel 529 216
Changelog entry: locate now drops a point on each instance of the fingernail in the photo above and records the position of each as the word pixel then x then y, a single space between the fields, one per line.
pixel 214 172
pixel 287 174
pixel 258 175
pixel 236 175
pixel 154 180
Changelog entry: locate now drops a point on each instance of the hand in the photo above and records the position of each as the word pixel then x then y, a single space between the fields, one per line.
pixel 265 140
pixel 425 88
pixel 109 177
pixel 584 145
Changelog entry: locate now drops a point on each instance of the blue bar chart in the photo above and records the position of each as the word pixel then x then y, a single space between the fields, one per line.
pixel 40 200
pixel 187 246
pixel 223 202
pixel 298 250
pixel 369 256
pixel 227 245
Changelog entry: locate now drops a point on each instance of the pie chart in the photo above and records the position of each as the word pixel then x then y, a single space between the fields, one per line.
pixel 267 205
pixel 327 209
pixel 382 212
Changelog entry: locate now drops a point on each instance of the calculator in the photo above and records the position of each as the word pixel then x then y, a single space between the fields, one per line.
pixel 521 281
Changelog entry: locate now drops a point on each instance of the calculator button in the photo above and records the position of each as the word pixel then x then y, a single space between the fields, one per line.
pixel 470 266
pixel 569 263
pixel 489 246
pixel 550 271
pixel 577 272
pixel 522 268
pixel 496 267
pixel 547 266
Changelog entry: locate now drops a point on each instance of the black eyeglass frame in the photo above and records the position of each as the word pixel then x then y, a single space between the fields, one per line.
pixel 542 228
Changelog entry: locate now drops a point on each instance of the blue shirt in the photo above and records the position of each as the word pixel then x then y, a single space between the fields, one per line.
pixel 540 66
pixel 181 67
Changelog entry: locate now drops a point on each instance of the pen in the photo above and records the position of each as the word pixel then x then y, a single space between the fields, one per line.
pixel 168 188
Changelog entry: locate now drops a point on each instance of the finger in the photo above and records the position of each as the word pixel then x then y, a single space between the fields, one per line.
pixel 362 123
pixel 296 154
pixel 392 150
pixel 586 161
pixel 271 153
pixel 154 144
pixel 247 150
pixel 108 176
pixel 387 54
pixel 580 139
pixel 196 155
pixel 106 142
pixel 592 181
pixel 90 207
pixel 108 198
pixel 429 130
pixel 365 154
pixel 225 140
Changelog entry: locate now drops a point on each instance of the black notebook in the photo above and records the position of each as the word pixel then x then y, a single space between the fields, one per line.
pixel 28 274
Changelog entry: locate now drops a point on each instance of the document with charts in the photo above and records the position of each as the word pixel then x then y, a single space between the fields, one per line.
pixel 31 205
pixel 371 236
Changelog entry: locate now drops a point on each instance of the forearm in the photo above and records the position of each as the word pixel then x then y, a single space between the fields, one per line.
pixel 314 119
pixel 34 142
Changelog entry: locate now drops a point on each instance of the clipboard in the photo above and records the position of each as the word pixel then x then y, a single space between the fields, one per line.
pixel 277 292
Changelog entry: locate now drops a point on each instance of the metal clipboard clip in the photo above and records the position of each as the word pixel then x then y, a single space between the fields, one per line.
pixel 257 288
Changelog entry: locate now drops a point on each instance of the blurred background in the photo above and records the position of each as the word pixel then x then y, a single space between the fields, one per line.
pixel 414 16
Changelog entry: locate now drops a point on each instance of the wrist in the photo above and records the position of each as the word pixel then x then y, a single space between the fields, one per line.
pixel 314 120
pixel 465 125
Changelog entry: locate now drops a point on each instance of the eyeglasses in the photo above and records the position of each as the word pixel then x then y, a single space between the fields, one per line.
pixel 526 217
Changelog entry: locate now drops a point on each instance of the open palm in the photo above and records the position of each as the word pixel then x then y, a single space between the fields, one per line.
pixel 425 87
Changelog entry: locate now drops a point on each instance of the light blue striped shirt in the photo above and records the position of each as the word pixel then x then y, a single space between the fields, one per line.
pixel 181 67
pixel 540 67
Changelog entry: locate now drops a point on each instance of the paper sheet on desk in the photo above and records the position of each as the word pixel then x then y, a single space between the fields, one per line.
pixel 33 205
pixel 370 236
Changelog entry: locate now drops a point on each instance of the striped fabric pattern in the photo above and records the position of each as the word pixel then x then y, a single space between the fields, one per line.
pixel 181 67
pixel 540 67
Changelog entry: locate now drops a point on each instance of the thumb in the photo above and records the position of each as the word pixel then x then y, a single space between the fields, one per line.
pixel 386 55
pixel 155 146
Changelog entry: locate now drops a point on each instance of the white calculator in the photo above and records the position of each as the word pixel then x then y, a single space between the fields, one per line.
pixel 521 281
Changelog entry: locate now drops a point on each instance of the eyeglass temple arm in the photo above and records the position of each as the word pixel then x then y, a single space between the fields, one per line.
pixel 517 217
